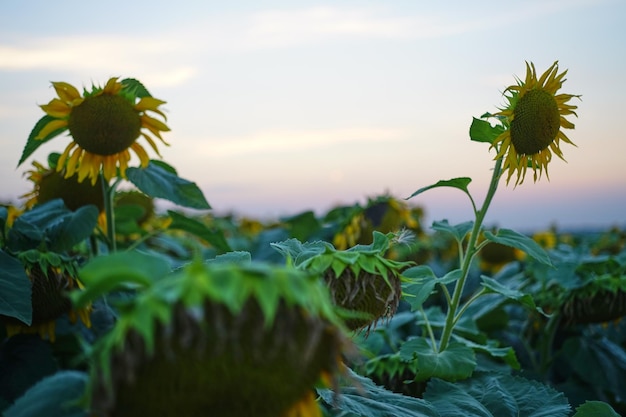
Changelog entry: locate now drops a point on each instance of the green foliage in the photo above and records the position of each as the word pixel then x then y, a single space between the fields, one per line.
pixel 455 363
pixel 15 289
pixel 54 396
pixel 158 182
pixel 517 240
pixel 496 395
pixel 482 131
pixel 32 144
pixel 199 229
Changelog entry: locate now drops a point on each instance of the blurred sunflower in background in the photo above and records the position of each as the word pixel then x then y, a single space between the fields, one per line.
pixel 104 124
pixel 535 115
pixel 49 184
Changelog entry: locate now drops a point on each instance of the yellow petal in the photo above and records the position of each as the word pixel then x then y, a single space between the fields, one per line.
pixel 50 127
pixel 56 108
pixel 66 92
pixel 152 104
pixel 141 153
pixel 151 142
pixel 112 86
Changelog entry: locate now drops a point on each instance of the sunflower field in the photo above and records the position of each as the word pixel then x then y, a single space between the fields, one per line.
pixel 112 307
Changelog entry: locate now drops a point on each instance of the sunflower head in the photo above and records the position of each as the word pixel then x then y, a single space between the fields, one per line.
pixel 105 124
pixel 360 279
pixel 221 339
pixel 533 118
pixel 50 184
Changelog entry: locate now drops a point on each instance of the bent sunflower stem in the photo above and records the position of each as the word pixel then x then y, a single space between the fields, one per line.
pixel 451 316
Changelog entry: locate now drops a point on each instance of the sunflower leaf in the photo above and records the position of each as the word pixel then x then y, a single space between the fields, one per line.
pixel 54 396
pixel 135 87
pixel 456 362
pixel 15 289
pixel 459 231
pixel 496 394
pixel 482 131
pixel 32 144
pixel 594 409
pixel 493 286
pixel 517 240
pixel 461 183
pixel 158 182
pixel 213 236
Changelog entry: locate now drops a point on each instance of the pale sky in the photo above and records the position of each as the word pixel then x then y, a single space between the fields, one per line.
pixel 280 107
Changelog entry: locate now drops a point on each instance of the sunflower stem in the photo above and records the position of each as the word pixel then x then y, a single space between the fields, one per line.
pixel 108 192
pixel 472 249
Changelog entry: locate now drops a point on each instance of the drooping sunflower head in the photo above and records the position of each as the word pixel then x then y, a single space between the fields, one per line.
pixel 533 118
pixel 221 339
pixel 104 124
pixel 360 279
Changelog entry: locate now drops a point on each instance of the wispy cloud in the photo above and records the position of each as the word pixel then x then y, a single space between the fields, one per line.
pixel 271 142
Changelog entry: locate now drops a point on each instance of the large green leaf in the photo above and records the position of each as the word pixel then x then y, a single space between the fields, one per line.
pixel 517 240
pixel 482 131
pixel 158 182
pixel 213 236
pixel 595 409
pixel 365 399
pixel 15 289
pixel 461 183
pixel 496 395
pixel 54 396
pixel 72 228
pixel 120 270
pixel 456 362
pixel 32 144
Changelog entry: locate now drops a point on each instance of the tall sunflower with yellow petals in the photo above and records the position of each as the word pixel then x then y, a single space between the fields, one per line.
pixel 534 116
pixel 104 125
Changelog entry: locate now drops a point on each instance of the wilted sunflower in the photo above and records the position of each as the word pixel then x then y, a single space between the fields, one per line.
pixel 104 124
pixel 221 339
pixel 534 117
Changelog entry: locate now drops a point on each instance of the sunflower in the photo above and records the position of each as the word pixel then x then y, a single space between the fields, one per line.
pixel 534 117
pixel 104 124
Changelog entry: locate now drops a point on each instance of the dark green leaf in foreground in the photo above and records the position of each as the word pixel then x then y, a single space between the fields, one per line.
pixel 213 236
pixel 482 131
pixel 366 399
pixel 15 289
pixel 54 396
pixel 496 395
pixel 72 228
pixel 461 183
pixel 158 182
pixel 517 240
pixel 121 270
pixel 456 362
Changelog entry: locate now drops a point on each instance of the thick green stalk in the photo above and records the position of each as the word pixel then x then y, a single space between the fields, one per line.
pixel 108 192
pixel 469 255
